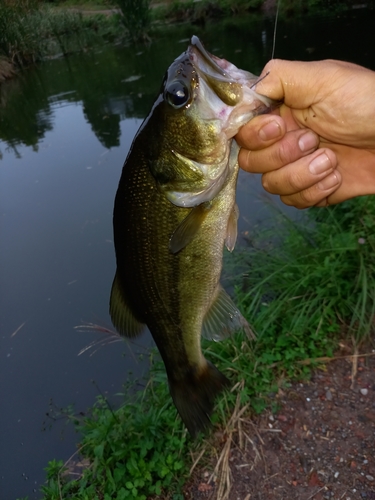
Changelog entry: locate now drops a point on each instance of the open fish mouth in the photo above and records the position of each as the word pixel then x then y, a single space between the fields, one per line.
pixel 233 86
pixel 206 61
pixel 213 68
pixel 218 98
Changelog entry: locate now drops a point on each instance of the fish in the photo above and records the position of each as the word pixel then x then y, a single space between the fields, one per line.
pixel 174 212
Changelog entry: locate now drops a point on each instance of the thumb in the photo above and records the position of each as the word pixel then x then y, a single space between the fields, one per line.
pixel 291 82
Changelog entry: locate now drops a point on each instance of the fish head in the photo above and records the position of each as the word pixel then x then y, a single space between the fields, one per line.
pixel 203 102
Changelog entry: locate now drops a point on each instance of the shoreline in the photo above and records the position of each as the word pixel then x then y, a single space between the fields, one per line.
pixel 7 69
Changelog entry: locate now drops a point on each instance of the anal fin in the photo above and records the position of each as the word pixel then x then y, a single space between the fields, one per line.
pixel 122 317
pixel 224 318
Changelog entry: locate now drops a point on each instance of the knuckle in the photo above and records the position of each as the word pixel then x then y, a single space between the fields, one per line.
pixel 310 197
pixel 267 185
pixel 244 159
pixel 288 201
pixel 295 182
pixel 306 197
pixel 284 153
pixel 293 201
pixel 302 199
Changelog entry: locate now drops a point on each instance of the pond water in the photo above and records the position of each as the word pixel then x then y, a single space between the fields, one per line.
pixel 65 129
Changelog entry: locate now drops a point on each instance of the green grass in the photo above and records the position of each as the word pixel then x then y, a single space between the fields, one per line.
pixel 29 33
pixel 319 280
pixel 135 451
pixel 303 290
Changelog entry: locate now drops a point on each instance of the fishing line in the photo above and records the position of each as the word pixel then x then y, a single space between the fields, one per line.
pixel 260 79
pixel 275 28
pixel 274 43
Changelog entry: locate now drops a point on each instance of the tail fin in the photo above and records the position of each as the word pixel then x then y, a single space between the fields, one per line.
pixel 194 396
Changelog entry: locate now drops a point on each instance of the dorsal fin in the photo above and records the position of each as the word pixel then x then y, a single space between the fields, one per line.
pixel 223 318
pixel 122 317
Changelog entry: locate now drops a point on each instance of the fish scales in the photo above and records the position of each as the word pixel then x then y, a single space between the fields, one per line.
pixel 159 282
pixel 174 211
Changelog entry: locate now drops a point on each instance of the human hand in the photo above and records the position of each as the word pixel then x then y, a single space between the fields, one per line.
pixel 319 147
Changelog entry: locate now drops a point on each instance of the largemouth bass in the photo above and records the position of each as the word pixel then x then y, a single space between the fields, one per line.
pixel 174 211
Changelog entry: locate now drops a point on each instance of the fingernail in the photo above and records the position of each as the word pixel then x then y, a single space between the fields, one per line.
pixel 308 141
pixel 329 182
pixel 270 131
pixel 320 164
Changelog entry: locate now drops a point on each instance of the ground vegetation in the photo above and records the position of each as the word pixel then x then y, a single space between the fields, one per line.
pixel 308 290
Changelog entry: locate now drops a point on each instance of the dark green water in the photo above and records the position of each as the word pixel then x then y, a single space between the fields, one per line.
pixel 65 129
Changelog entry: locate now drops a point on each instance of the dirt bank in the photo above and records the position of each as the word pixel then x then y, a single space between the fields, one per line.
pixel 320 445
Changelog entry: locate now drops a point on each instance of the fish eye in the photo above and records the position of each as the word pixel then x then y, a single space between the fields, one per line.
pixel 177 94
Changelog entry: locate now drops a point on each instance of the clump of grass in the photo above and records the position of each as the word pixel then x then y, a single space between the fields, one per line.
pixel 30 33
pixel 317 281
pixel 16 40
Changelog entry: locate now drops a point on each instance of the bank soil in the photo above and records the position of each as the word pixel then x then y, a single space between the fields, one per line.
pixel 319 445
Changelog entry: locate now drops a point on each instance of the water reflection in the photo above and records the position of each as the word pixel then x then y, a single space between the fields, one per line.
pixel 114 84
pixel 65 129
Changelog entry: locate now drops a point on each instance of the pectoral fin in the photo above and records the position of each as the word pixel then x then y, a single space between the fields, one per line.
pixel 122 317
pixel 189 227
pixel 231 238
pixel 223 318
